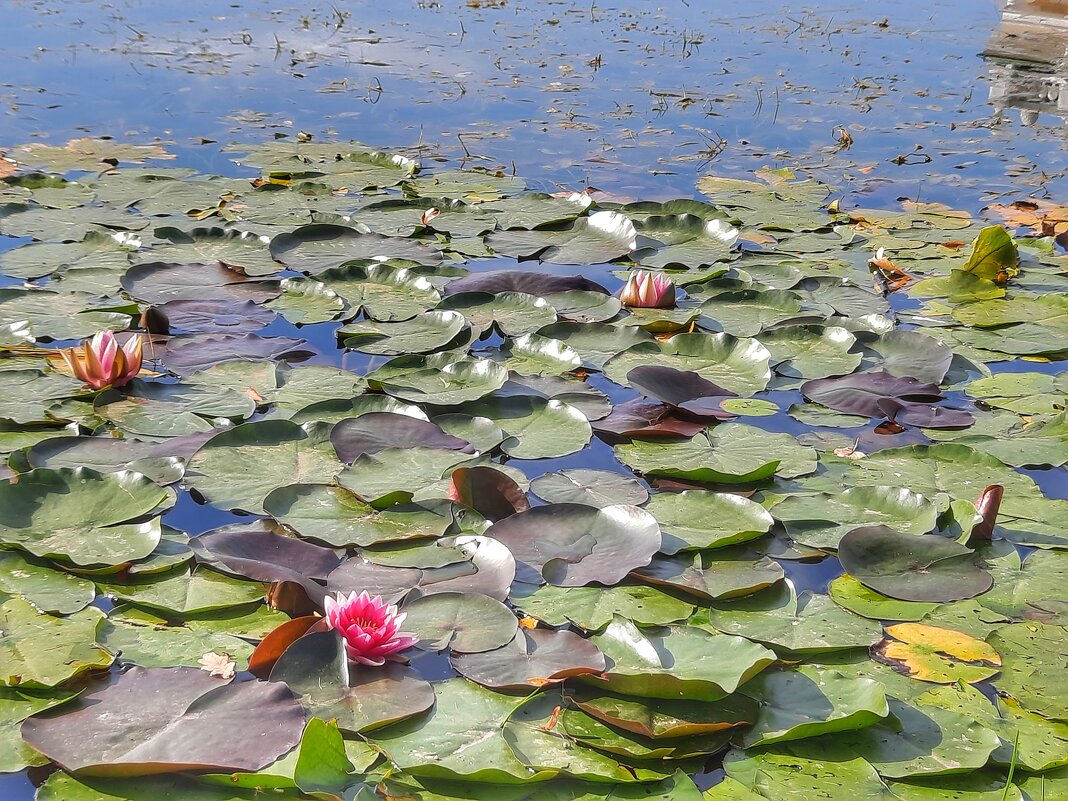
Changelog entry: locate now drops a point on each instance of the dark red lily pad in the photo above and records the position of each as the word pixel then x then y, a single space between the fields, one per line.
pixel 491 493
pixel 862 393
pixel 639 418
pixel 215 315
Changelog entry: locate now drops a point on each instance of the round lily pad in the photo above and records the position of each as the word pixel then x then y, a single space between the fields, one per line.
pixel 79 515
pixel 912 568
pixel 570 544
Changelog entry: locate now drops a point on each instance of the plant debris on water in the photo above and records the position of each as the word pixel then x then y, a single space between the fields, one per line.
pixel 377 476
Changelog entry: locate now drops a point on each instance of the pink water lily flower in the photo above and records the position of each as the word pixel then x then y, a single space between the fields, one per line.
pixel 369 626
pixel 100 362
pixel 646 290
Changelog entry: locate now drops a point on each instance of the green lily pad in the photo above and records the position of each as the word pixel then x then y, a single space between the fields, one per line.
pixel 820 521
pixel 79 515
pixel 464 731
pixel 572 545
pixel 664 718
pixel 912 568
pixel 169 646
pixel 750 311
pixel 319 247
pixel 337 517
pixel 241 250
pixel 304 301
pixel 592 608
pixel 237 469
pixel 806 702
pixel 17 705
pixel 510 313
pixel 598 488
pixel 850 594
pixel 736 364
pixel 1023 393
pixel 168 410
pixel 55 315
pixel 462 622
pixel 805 624
pixel 809 351
pixel 602 237
pixel 385 291
pixel 702 519
pixel 47 589
pixel 38 650
pixel 915 740
pixel 426 332
pixel 1032 668
pixel 676 662
pixel 537 428
pixel 733 453
pixel 441 378
pixel 182 592
pixel 722 574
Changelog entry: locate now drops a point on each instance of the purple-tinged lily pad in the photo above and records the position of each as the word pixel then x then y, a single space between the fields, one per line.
pixel 165 720
pixel 185 355
pixel 377 431
pixel 532 660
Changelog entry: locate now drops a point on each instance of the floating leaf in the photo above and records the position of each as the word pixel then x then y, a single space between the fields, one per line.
pixel 931 653
pixel 912 568
pixel 994 255
pixel 805 624
pixel 598 488
pixel 317 670
pixel 461 622
pixel 38 650
pixel 237 469
pixel 532 659
pixel 806 702
pixel 701 519
pixel 165 720
pixel 676 662
pixel 571 545
pixel 78 515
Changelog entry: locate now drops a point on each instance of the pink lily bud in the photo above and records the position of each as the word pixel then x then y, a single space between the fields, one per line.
pixel 101 363
pixel 646 290
pixel 369 626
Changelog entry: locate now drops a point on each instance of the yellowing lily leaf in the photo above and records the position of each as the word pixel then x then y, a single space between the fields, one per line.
pixel 931 653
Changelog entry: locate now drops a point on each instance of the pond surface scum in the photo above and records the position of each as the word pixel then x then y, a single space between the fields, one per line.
pixel 790 527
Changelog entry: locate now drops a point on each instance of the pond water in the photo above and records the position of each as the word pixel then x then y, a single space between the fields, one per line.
pixel 633 98
pixel 950 102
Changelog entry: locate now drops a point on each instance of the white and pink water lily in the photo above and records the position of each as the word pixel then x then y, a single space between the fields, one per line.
pixel 369 626
pixel 645 290
pixel 101 363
